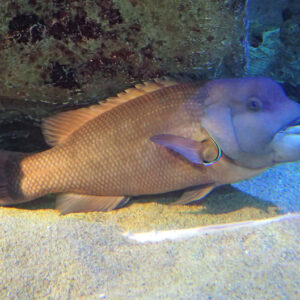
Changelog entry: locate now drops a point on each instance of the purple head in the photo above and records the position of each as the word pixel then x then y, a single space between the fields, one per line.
pixel 253 121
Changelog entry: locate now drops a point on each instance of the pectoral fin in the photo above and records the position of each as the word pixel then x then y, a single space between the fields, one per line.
pixel 186 147
pixel 72 203
pixel 193 195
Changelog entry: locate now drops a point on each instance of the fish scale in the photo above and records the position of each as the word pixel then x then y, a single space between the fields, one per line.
pixel 106 142
pixel 119 149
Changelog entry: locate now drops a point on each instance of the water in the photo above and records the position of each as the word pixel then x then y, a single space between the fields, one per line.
pixel 72 51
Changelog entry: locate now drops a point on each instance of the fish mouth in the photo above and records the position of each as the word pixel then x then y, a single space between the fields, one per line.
pixel 296 122
pixel 286 143
pixel 291 128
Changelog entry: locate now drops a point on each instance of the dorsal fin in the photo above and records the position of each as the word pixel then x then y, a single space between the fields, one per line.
pixel 58 128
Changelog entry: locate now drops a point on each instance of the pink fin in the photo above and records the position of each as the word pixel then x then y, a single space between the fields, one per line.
pixel 72 203
pixel 193 195
pixel 188 148
pixel 58 128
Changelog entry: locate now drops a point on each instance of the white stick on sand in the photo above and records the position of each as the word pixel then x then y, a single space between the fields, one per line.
pixel 159 236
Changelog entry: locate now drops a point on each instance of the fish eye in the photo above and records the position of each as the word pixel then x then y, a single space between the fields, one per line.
pixel 254 104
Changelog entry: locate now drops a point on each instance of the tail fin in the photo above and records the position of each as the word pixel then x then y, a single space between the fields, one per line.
pixel 9 162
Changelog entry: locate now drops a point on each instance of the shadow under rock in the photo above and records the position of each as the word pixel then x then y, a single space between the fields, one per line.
pixel 227 199
pixel 222 200
pixel 47 202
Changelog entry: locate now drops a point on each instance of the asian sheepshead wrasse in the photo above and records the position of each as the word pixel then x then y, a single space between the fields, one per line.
pixel 155 138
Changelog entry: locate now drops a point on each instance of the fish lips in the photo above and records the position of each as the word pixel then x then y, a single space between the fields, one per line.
pixel 291 128
pixel 286 143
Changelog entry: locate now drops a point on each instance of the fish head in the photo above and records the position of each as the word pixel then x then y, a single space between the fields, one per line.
pixel 253 121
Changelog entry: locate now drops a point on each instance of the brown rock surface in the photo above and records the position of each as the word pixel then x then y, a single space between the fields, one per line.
pixel 61 54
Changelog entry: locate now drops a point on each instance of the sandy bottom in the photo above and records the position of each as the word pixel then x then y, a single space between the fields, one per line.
pixel 225 205
pixel 47 256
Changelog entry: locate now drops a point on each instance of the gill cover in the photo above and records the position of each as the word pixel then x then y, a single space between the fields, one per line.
pixel 205 152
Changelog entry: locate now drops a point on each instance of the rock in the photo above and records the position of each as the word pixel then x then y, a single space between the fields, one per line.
pixel 61 54
pixel 274 42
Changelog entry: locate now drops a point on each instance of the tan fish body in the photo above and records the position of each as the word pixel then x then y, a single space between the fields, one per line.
pixel 106 153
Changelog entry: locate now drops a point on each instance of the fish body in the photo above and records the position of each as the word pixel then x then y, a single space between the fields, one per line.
pixel 159 137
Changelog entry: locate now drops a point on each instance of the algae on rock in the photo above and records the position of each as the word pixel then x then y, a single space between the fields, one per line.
pixel 57 55
pixel 274 42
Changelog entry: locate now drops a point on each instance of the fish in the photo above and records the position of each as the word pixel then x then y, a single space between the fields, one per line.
pixel 160 136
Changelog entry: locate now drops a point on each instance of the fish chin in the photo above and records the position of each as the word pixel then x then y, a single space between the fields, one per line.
pixel 285 147
pixel 286 144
